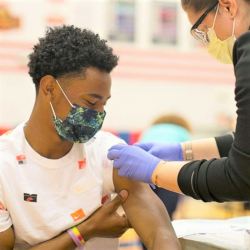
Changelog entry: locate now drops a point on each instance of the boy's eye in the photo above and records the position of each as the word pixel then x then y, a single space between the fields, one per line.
pixel 90 103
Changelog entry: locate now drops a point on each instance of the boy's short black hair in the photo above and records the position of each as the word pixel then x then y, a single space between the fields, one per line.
pixel 68 50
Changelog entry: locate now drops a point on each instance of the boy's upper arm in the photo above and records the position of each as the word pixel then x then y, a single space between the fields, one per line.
pixel 7 239
pixel 5 219
pixel 6 230
pixel 145 211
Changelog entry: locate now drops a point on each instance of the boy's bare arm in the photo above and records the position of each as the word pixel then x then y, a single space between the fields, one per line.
pixel 7 239
pixel 147 215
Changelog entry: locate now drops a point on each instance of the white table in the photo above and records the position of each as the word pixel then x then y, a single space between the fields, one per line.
pixel 231 234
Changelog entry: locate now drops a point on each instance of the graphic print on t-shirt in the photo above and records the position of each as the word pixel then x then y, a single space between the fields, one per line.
pixel 21 159
pixel 105 198
pixel 79 214
pixel 2 207
pixel 8 132
pixel 82 164
pixel 30 197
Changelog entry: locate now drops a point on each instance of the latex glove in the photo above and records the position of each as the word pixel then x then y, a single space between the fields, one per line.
pixel 133 162
pixel 164 151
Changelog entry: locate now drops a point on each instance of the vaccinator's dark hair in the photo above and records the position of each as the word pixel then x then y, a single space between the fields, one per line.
pixel 68 51
pixel 199 5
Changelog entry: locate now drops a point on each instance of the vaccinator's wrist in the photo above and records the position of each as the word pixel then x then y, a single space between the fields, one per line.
pixel 179 152
pixel 151 170
pixel 183 151
pixel 154 173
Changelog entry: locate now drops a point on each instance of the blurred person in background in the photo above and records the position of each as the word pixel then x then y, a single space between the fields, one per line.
pixel 54 171
pixel 172 129
pixel 214 169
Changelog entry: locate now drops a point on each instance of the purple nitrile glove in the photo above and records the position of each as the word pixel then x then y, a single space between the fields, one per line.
pixel 164 151
pixel 133 162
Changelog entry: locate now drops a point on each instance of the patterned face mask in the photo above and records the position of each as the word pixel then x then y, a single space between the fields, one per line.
pixel 80 125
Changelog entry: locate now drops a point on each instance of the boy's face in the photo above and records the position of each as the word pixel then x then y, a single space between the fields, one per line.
pixel 91 92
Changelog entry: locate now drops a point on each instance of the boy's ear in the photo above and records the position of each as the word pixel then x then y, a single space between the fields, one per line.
pixel 48 87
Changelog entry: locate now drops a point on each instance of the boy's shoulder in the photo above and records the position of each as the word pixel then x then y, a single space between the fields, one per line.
pixel 102 142
pixel 11 138
pixel 104 137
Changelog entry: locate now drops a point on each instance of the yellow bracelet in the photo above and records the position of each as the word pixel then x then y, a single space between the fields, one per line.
pixel 78 234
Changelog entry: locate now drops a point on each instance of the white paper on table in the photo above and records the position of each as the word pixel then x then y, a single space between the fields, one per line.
pixel 220 241
pixel 187 227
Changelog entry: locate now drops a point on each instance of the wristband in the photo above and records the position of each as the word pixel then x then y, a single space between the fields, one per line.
pixel 75 238
pixel 78 234
pixel 189 151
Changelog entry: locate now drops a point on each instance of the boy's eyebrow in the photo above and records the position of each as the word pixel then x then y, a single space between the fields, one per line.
pixel 97 96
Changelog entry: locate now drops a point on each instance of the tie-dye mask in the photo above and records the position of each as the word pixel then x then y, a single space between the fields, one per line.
pixel 80 125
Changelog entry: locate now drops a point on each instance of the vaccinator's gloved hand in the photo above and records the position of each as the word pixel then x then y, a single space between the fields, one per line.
pixel 164 151
pixel 133 162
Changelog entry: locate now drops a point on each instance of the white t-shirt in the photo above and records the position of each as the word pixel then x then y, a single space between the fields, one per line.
pixel 43 197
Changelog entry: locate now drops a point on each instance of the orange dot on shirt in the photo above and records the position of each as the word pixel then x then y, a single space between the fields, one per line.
pixel 82 164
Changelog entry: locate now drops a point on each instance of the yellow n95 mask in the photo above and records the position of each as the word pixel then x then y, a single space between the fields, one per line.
pixel 221 50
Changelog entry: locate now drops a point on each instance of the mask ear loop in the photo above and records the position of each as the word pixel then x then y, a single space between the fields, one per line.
pixel 53 111
pixel 65 95
pixel 215 15
pixel 233 27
